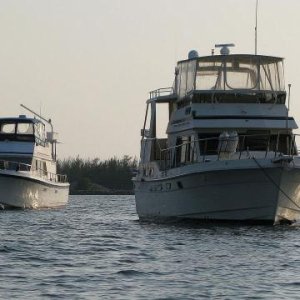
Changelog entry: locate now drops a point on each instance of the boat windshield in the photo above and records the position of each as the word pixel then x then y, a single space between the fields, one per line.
pixel 12 129
pixel 16 128
pixel 231 73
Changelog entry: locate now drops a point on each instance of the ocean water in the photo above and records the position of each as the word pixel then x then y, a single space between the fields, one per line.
pixel 97 249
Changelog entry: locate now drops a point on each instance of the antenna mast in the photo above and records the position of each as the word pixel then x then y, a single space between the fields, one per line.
pixel 256 8
pixel 36 114
pixel 288 106
pixel 289 99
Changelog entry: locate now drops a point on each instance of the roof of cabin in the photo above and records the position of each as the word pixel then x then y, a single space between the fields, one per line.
pixel 234 57
pixel 19 119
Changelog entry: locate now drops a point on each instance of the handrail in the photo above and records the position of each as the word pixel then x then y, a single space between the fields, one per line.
pixel 168 156
pixel 18 166
pixel 214 138
pixel 14 165
pixel 236 91
pixel 50 176
pixel 167 91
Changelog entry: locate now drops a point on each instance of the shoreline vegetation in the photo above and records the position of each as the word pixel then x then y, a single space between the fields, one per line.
pixel 99 177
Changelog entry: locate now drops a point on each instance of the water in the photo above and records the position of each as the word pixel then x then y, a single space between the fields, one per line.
pixel 97 249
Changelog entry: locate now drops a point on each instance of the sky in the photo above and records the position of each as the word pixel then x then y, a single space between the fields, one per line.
pixel 90 64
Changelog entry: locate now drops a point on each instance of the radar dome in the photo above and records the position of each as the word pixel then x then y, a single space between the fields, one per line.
pixel 193 54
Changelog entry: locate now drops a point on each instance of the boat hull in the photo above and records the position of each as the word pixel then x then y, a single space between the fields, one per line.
pixel 25 191
pixel 252 194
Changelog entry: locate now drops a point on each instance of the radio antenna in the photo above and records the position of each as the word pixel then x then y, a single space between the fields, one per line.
pixel 256 9
pixel 38 115
pixel 289 98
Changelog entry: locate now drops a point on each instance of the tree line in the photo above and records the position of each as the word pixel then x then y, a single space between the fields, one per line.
pixel 95 176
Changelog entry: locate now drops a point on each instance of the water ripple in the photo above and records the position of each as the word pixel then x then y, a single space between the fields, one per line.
pixel 97 249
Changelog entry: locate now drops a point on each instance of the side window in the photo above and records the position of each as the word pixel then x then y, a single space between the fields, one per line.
pixel 208 143
pixel 257 140
pixel 162 118
pixel 44 167
pixel 186 149
pixel 39 130
pixel 8 128
pixel 146 131
pixel 38 165
pixel 183 150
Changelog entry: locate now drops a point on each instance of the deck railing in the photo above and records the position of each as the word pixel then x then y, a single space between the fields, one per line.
pixel 161 92
pixel 220 148
pixel 18 166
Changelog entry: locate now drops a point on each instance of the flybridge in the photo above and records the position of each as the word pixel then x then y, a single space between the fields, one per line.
pixel 260 77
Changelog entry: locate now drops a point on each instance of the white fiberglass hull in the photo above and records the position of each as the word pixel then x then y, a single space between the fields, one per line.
pixel 237 192
pixel 22 190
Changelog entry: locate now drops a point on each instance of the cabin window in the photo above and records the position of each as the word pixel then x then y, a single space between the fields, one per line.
pixel 40 166
pixel 264 141
pixel 8 128
pixel 185 150
pixel 178 150
pixel 25 128
pixel 238 72
pixel 256 140
pixel 147 121
pixel 190 81
pixel 241 75
pixel 39 129
pixel 162 118
pixel 283 143
pixel 186 78
pixel 15 131
pixel 208 143
pixel 44 167
pixel 183 79
pixel 210 76
pixel 193 148
pixel 271 77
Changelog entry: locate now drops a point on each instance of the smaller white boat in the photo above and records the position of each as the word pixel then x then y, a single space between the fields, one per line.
pixel 28 176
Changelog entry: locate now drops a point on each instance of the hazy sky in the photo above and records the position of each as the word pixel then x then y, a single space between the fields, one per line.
pixel 89 64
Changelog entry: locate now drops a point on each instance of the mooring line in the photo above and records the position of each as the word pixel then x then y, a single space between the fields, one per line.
pixel 271 179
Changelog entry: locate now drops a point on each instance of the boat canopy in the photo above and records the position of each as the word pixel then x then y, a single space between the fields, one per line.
pixel 22 128
pixel 230 73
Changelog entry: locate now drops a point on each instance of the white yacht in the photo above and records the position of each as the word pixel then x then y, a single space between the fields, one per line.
pixel 28 177
pixel 230 151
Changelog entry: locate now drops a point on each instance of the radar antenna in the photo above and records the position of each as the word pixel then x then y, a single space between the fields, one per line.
pixel 224 48
pixel 256 9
